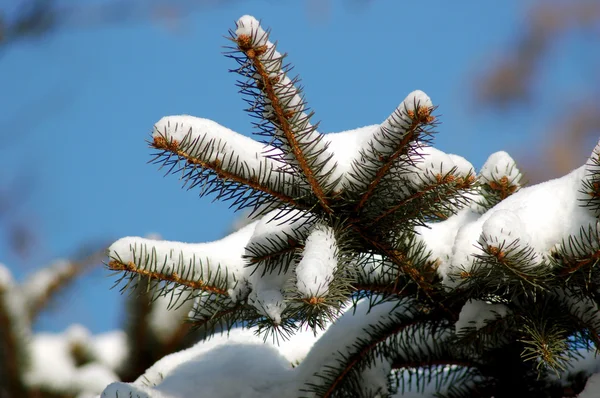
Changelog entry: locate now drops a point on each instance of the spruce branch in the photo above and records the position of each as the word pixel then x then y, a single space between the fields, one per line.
pixel 278 102
pixel 392 142
pixel 274 244
pixel 433 200
pixel 498 179
pixel 419 273
pixel 577 257
pixel 222 161
pixel 415 262
pixel 516 259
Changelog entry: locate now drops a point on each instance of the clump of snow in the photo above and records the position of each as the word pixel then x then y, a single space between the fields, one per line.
pixel 476 313
pixel 400 119
pixel 440 236
pixel 503 229
pixel 267 295
pixel 6 278
pixel 500 164
pixel 110 349
pixel 340 337
pixel 53 366
pixel 37 285
pixel 272 372
pixel 250 26
pixel 315 270
pixel 431 164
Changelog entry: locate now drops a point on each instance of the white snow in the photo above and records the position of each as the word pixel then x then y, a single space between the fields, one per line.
pixel 476 313
pixel 253 369
pixel 6 278
pixel 440 236
pixel 319 261
pixel 340 337
pixel 498 165
pixel 110 349
pixel 243 365
pixel 250 26
pixel 54 368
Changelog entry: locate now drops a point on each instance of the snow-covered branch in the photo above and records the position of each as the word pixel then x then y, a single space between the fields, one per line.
pixel 214 267
pixel 280 107
pixel 220 160
pixel 391 144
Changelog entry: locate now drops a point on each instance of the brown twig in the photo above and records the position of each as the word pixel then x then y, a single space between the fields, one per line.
pixel 173 147
pixel 245 44
pixel 174 277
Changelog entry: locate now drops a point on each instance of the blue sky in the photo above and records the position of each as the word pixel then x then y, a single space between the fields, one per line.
pixel 80 105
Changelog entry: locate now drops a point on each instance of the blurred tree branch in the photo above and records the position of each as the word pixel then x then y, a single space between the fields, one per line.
pixel 511 83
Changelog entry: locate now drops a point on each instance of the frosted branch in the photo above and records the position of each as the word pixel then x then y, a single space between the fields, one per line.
pixel 499 178
pixel 220 160
pixel 216 266
pixel 277 101
pixel 393 141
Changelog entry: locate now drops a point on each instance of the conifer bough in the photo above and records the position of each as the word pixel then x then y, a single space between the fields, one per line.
pixel 377 264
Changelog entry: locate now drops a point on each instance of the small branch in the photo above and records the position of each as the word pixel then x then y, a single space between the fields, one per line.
pixel 422 117
pixel 503 187
pixel 173 147
pixel 253 53
pixel 458 183
pixel 580 263
pixel 399 259
pixel 173 278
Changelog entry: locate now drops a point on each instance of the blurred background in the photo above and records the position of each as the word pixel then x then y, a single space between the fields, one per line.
pixel 82 83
